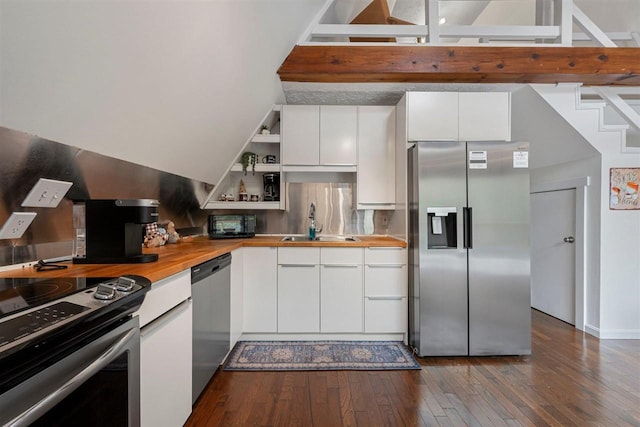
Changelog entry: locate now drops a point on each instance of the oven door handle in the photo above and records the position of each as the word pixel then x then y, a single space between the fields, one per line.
pixel 41 407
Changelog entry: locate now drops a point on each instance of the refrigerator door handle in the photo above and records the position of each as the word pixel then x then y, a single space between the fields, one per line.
pixel 467 227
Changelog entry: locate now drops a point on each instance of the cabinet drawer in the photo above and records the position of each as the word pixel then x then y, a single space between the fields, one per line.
pixel 341 255
pixel 385 256
pixel 164 295
pixel 385 315
pixel 385 280
pixel 298 255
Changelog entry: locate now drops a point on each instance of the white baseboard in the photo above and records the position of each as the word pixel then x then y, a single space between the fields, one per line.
pixel 620 334
pixel 592 330
pixel 613 334
pixel 322 337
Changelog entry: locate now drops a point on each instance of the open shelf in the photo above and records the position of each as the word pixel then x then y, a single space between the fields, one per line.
pixel 261 145
pixel 266 139
pixel 243 205
pixel 260 167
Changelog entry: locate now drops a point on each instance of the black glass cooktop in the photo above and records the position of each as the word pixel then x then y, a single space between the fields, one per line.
pixel 17 294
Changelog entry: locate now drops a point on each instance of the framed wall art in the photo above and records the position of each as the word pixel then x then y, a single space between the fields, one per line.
pixel 623 188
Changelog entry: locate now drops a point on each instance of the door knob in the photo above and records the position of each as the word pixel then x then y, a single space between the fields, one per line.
pixel 569 239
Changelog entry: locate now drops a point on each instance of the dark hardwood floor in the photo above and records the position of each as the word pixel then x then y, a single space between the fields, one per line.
pixel 571 379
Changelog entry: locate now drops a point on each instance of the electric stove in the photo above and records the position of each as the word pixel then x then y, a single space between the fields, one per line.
pixel 34 308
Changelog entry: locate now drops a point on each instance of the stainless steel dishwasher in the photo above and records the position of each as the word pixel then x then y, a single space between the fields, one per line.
pixel 211 295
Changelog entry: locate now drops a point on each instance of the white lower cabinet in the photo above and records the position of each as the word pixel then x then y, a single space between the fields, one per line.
pixel 237 296
pixel 166 353
pixel 341 290
pixel 260 277
pixel 328 290
pixel 385 288
pixel 298 290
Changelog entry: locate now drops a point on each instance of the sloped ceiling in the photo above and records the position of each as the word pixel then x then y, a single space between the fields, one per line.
pixel 174 85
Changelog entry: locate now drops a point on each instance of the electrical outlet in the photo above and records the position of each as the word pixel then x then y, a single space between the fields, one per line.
pixel 47 193
pixel 16 225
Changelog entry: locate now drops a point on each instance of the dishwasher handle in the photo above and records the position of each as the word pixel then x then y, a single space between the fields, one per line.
pixel 208 268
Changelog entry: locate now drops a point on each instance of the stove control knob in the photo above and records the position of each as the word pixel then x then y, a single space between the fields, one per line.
pixel 105 292
pixel 124 284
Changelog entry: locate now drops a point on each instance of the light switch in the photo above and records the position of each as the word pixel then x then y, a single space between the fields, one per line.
pixel 47 193
pixel 16 225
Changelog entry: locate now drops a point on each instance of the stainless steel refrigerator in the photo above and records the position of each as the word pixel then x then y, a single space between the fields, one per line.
pixel 469 278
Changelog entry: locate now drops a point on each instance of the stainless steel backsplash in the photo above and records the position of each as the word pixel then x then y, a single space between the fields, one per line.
pixel 334 211
pixel 26 158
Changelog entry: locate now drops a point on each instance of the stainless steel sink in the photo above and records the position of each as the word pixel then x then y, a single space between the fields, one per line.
pixel 337 239
pixel 303 238
pixel 300 238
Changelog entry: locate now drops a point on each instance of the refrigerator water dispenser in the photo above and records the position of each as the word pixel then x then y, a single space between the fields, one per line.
pixel 442 228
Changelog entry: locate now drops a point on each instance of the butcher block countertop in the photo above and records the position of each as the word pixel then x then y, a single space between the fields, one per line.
pixel 174 258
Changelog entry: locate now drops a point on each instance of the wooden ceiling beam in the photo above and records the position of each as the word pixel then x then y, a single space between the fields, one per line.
pixel 464 64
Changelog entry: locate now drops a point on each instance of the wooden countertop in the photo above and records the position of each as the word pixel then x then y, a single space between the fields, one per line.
pixel 184 255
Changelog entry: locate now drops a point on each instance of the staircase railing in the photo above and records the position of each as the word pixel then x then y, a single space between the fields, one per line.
pixel 554 26
pixel 625 101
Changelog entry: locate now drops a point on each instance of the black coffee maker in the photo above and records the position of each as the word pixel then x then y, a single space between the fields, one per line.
pixel 111 231
pixel 271 187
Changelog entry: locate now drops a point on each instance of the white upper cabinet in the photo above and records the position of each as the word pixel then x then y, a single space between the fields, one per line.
pixel 319 137
pixel 338 134
pixel 484 116
pixel 300 135
pixel 376 157
pixel 432 116
pixel 453 116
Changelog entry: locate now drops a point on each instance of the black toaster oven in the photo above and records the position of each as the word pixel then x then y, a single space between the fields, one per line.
pixel 231 226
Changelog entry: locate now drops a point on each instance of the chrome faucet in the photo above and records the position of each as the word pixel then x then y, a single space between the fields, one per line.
pixel 312 228
pixel 312 211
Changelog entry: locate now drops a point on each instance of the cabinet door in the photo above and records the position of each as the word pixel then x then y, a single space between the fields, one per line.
pixel 338 134
pixel 165 369
pixel 485 116
pixel 432 116
pixel 300 133
pixel 237 295
pixel 260 274
pixel 376 173
pixel 298 298
pixel 341 298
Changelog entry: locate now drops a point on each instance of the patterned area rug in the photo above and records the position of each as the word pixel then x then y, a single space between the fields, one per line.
pixel 319 355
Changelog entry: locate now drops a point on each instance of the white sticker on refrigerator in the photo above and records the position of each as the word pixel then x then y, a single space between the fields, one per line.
pixel 520 159
pixel 477 159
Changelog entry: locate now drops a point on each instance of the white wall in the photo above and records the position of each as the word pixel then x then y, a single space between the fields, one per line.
pixel 175 85
pixel 559 153
pixel 620 256
pixel 613 248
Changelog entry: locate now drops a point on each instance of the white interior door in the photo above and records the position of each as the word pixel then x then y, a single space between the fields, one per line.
pixel 553 225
